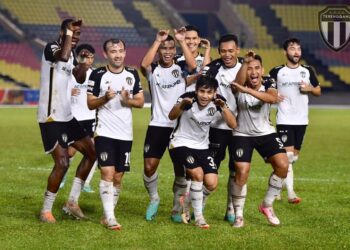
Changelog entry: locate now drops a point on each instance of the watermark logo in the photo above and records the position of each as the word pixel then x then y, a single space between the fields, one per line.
pixel 334 23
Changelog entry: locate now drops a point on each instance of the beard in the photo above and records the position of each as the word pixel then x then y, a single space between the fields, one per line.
pixel 293 60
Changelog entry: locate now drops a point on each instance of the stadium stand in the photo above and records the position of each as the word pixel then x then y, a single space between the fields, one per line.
pixel 137 22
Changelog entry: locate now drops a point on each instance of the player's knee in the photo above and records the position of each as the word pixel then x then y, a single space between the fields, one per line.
pixel 290 156
pixel 149 168
pixel 63 162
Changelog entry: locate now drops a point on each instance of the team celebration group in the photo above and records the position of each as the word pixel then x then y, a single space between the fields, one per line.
pixel 200 107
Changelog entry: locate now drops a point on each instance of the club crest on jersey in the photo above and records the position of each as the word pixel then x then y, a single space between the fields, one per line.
pixel 239 152
pixel 190 159
pixel 199 63
pixel 211 111
pixel 284 138
pixel 146 148
pixel 104 156
pixel 334 22
pixel 129 80
pixel 175 73
pixel 65 137
pixel 302 74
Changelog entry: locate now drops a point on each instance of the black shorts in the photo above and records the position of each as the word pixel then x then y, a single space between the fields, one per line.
pixel 266 145
pixel 220 139
pixel 62 133
pixel 88 126
pixel 113 152
pixel 292 135
pixel 156 141
pixel 185 157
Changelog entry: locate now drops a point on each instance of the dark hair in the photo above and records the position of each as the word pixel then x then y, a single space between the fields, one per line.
pixel 192 28
pixel 207 82
pixel 169 38
pixel 258 57
pixel 86 46
pixel 113 41
pixel 289 41
pixel 228 38
pixel 65 23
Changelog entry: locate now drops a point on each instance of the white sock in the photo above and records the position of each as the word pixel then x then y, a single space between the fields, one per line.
pixel 230 188
pixel 91 174
pixel 76 189
pixel 206 193
pixel 196 193
pixel 116 193
pixel 239 196
pixel 151 184
pixel 179 189
pixel 106 193
pixel 187 193
pixel 275 187
pixel 289 182
pixel 49 199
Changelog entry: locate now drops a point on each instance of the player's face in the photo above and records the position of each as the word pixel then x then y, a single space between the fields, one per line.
pixel 166 53
pixel 228 53
pixel 293 53
pixel 115 54
pixel 75 37
pixel 205 96
pixel 255 72
pixel 192 40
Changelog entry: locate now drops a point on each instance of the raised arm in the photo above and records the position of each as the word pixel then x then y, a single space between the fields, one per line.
pixel 179 108
pixel 270 96
pixel 180 37
pixel 151 53
pixel 226 113
pixel 241 76
pixel 205 43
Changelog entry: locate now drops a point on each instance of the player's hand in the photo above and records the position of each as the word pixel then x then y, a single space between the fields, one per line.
pixel 186 103
pixel 180 34
pixel 304 87
pixel 110 94
pixel 75 25
pixel 125 96
pixel 237 87
pixel 249 56
pixel 280 98
pixel 220 103
pixel 162 35
pixel 205 43
pixel 83 55
pixel 75 92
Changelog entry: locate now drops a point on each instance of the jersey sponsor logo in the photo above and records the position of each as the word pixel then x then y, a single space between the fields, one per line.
pixel 129 80
pixel 108 82
pixel 190 159
pixel 169 86
pixel 64 137
pixel 211 111
pixel 146 148
pixel 290 84
pixel 239 152
pixel 334 22
pixel 175 73
pixel 200 124
pixel 104 156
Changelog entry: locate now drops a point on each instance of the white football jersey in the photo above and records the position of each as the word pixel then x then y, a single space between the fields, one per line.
pixel 80 109
pixel 166 85
pixel 54 104
pixel 199 62
pixel 192 128
pixel 113 119
pixel 224 76
pixel 294 109
pixel 253 114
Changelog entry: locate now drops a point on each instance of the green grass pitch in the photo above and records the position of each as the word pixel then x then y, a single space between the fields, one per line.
pixel 321 221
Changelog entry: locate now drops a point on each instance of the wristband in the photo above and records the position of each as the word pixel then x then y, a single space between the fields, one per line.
pixel 69 33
